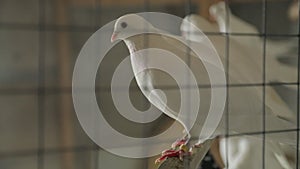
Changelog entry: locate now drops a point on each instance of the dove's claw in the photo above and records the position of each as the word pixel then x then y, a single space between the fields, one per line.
pixel 172 153
pixel 179 149
pixel 173 158
pixel 167 153
pixel 178 143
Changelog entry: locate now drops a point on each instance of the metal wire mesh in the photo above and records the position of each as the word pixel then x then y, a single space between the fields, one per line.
pixel 43 88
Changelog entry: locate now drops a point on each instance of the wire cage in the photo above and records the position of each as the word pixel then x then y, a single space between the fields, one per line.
pixel 41 40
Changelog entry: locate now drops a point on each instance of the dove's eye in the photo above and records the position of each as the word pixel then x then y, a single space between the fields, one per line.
pixel 123 24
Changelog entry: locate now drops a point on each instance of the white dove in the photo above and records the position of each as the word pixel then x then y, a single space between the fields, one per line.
pixel 243 152
pixel 245 104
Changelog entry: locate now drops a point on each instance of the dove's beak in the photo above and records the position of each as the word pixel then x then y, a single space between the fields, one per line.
pixel 113 36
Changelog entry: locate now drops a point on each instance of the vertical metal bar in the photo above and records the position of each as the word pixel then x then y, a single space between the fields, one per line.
pixel 97 17
pixel 264 26
pixel 146 7
pixel 227 54
pixel 188 7
pixel 188 4
pixel 41 85
pixel 298 89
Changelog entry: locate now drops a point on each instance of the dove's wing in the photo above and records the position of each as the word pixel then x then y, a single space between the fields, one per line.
pixel 248 56
pixel 245 69
pixel 148 86
pixel 245 102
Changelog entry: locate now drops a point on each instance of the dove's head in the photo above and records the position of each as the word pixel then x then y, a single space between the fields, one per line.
pixel 129 25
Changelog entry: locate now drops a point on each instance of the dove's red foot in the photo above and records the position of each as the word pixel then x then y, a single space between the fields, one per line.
pixel 178 143
pixel 179 149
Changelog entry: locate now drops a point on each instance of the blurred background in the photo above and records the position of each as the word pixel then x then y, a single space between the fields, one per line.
pixel 40 41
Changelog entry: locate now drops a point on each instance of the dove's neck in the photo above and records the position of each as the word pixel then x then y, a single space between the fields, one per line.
pixel 137 42
pixel 130 45
pixel 134 44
